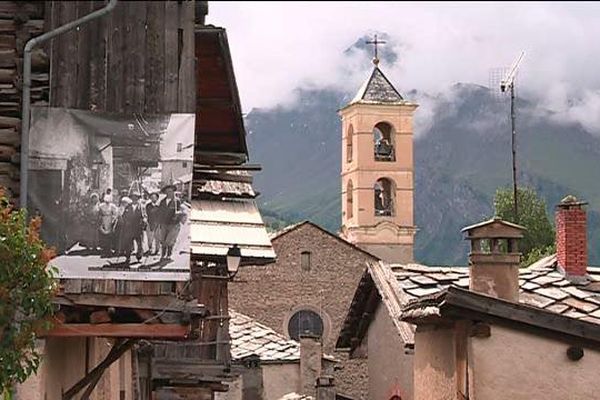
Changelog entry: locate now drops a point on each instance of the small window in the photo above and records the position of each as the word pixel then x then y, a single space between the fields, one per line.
pixel 179 147
pixel 349 144
pixel 305 260
pixel 184 164
pixel 305 321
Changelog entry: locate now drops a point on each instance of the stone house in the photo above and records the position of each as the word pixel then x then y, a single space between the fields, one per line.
pixel 308 289
pixel 560 290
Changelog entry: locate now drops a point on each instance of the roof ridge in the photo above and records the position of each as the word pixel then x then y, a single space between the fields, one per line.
pixel 289 228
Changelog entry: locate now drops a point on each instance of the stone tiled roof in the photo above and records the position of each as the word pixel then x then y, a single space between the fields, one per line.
pixel 542 285
pixel 377 90
pixel 250 337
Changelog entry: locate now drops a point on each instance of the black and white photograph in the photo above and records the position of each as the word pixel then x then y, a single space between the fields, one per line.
pixel 113 190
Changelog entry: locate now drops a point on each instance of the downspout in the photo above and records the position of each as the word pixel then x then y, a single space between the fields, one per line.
pixel 31 43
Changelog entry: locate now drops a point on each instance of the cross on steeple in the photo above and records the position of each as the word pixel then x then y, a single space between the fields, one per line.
pixel 375 42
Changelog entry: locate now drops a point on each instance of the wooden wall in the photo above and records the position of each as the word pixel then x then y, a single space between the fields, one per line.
pixel 139 58
pixel 19 21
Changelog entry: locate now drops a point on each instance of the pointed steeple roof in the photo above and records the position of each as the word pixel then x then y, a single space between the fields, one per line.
pixel 377 90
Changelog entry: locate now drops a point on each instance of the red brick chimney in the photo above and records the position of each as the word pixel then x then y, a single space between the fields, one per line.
pixel 571 237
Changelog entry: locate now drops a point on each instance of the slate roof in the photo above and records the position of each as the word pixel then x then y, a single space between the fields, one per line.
pixel 542 285
pixel 377 89
pixel 251 337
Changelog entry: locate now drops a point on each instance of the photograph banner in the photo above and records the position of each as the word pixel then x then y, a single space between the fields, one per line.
pixel 113 190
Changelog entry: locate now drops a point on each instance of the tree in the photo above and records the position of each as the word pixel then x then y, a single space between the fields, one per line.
pixel 538 240
pixel 27 286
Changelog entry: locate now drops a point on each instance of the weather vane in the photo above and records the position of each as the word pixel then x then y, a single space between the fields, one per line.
pixel 375 42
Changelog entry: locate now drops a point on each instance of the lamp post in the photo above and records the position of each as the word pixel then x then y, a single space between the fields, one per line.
pixel 234 256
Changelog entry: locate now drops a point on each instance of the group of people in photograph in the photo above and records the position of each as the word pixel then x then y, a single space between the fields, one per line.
pixel 144 224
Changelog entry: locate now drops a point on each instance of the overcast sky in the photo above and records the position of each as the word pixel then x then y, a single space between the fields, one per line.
pixel 280 46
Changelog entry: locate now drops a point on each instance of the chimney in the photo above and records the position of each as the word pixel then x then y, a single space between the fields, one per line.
pixel 494 258
pixel 311 355
pixel 252 378
pixel 325 388
pixel 571 237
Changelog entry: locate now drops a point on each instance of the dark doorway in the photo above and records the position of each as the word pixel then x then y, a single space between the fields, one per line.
pixel 45 199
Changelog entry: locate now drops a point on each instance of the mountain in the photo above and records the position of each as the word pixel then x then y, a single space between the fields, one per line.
pixel 462 155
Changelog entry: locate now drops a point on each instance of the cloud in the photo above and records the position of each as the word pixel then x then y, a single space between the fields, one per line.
pixel 280 46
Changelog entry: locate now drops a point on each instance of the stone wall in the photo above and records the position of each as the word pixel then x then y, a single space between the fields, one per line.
pixel 271 293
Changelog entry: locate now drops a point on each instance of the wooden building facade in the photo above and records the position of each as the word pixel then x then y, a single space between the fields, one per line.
pixel 145 58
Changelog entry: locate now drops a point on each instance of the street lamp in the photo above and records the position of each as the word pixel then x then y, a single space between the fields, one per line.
pixel 234 256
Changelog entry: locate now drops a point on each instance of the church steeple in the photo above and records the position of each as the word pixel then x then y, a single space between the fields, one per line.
pixel 377 90
pixel 377 169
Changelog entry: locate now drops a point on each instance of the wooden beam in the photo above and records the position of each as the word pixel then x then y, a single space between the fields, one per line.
pixel 92 378
pixel 165 331
pixel 200 175
pixel 243 167
pixel 157 303
pixel 223 101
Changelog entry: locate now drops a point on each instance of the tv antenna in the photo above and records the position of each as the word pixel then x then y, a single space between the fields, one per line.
pixel 508 84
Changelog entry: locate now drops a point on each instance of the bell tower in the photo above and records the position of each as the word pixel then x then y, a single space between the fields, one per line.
pixel 377 170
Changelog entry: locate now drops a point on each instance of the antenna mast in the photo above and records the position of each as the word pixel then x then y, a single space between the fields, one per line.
pixel 508 83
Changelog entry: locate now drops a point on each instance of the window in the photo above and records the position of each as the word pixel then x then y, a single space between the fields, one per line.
pixel 95 178
pixel 349 200
pixel 305 321
pixel 384 142
pixel 305 260
pixel 179 147
pixel 383 191
pixel 184 164
pixel 349 144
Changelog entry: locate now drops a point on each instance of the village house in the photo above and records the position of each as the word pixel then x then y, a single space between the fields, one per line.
pixel 377 215
pixel 561 290
pixel 140 333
